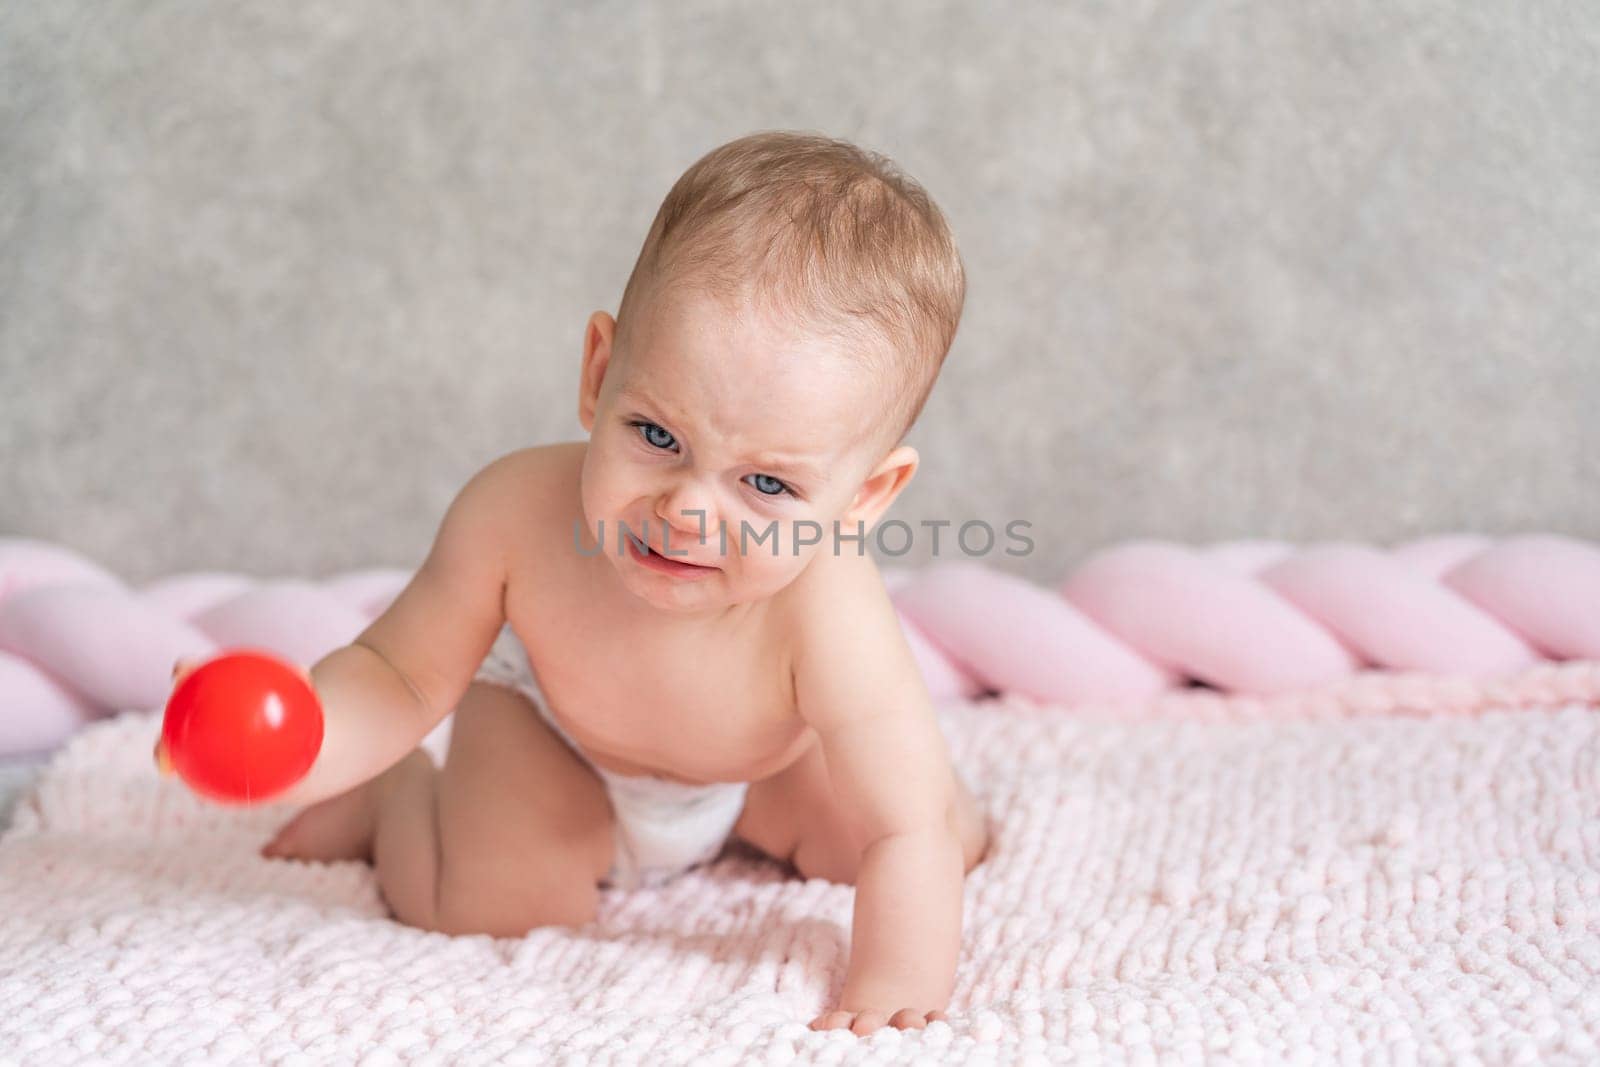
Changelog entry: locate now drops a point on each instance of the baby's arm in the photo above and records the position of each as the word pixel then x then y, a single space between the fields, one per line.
pixel 382 693
pixel 857 684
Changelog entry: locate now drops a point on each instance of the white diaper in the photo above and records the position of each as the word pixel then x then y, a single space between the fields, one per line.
pixel 662 827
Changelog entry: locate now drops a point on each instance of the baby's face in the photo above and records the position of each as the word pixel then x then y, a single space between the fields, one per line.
pixel 732 425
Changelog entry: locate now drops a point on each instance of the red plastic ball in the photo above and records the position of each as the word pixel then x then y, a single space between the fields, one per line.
pixel 242 727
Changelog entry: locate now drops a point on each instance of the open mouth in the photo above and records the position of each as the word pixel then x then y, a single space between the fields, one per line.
pixel 645 556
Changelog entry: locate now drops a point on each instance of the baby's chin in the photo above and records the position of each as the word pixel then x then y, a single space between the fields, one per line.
pixel 667 592
pixel 713 593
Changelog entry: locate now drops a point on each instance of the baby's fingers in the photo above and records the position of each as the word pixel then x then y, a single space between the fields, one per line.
pixel 181 668
pixel 163 761
pixel 869 1021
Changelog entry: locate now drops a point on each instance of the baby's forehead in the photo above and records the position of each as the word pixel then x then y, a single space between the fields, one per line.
pixel 724 337
pixel 754 381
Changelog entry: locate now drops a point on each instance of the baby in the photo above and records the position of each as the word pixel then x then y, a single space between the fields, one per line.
pixel 672 633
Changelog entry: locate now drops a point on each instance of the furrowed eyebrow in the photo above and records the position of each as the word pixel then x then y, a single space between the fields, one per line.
pixel 790 467
pixel 638 400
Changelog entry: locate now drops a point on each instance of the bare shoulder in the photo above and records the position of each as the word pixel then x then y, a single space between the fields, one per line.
pixel 835 578
pixel 532 472
pixel 528 495
pixel 839 605
pixel 850 656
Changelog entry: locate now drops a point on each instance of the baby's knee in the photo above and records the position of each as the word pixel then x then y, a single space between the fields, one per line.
pixel 513 910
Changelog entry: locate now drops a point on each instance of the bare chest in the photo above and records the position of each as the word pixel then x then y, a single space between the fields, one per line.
pixel 643 698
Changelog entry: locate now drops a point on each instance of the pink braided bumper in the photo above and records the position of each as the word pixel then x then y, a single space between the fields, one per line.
pixel 1132 621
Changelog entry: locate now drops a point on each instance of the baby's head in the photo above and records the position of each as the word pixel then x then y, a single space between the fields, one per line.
pixel 784 323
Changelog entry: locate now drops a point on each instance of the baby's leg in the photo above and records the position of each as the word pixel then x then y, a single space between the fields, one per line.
pixel 514 832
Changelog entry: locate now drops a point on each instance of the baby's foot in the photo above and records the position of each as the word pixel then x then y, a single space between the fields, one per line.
pixel 339 828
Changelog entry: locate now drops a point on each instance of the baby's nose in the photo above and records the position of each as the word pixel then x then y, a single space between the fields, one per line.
pixel 686 513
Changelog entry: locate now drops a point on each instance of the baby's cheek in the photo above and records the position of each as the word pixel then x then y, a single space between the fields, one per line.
pixel 768 573
pixel 599 501
pixel 601 478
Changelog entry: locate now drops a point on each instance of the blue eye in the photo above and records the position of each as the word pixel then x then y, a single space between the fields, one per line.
pixel 654 435
pixel 766 485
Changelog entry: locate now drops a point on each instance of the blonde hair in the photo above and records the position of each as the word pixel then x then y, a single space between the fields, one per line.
pixel 834 233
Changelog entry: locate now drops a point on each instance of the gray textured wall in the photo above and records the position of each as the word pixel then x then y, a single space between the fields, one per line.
pixel 274 279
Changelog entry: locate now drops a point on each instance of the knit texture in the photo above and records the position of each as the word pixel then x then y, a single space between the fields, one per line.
pixel 1403 869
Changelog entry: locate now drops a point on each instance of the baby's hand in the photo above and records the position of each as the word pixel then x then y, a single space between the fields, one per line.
pixel 865 1022
pixel 180 670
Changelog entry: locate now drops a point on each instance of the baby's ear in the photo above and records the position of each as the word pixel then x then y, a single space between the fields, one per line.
pixel 892 474
pixel 597 337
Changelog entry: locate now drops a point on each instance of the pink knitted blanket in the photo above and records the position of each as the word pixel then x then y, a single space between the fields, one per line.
pixel 1399 868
